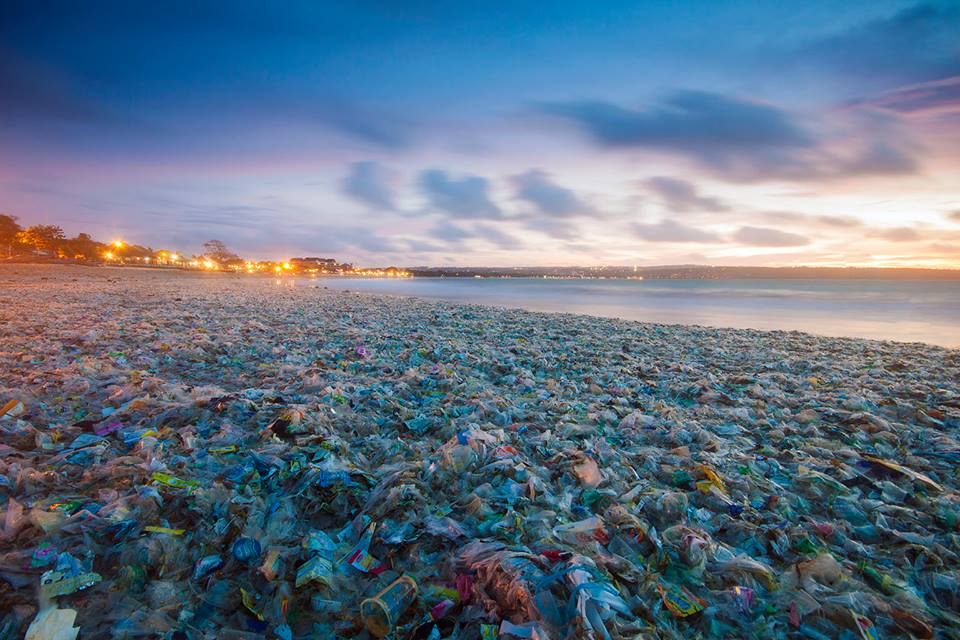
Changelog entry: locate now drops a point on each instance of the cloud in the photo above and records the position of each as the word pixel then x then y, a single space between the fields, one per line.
pixel 764 237
pixel 561 229
pixel 839 221
pixel 422 246
pixel 916 44
pixel 237 216
pixel 898 234
pixel 953 215
pixel 464 197
pixel 536 187
pixel 349 240
pixel 881 158
pixel 369 182
pixel 556 206
pixel 680 195
pixel 734 138
pixel 847 222
pixel 454 235
pixel 713 127
pixel 449 232
pixel 923 97
pixel 943 247
pixel 670 231
pixel 390 131
pixel 499 238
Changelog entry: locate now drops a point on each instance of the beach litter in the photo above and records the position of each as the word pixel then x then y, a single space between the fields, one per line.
pixel 198 457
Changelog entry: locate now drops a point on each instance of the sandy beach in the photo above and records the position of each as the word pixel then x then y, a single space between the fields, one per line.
pixel 670 469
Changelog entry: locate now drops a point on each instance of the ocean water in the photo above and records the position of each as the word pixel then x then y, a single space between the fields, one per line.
pixel 908 311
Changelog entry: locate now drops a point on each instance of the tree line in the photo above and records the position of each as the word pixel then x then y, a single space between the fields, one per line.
pixel 48 240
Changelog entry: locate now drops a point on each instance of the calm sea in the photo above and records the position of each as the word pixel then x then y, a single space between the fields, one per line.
pixel 882 309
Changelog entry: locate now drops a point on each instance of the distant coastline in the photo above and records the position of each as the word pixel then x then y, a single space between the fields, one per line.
pixel 690 272
pixel 660 272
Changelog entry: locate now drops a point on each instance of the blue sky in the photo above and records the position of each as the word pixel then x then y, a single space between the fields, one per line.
pixel 491 133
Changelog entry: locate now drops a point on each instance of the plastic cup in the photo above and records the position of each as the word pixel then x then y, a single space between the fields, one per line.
pixel 381 612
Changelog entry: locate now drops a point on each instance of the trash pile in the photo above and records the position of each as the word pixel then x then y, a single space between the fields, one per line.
pixel 193 457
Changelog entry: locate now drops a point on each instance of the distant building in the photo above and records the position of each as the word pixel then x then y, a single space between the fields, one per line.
pixel 312 264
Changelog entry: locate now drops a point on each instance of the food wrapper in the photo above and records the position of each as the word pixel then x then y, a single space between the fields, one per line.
pixel 173 481
pixel 317 569
pixel 57 583
pixel 360 557
pixel 680 602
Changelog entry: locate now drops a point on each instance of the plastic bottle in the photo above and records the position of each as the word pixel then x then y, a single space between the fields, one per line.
pixel 381 612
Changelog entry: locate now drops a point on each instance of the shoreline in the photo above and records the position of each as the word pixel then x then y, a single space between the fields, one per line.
pixel 293 280
pixel 672 325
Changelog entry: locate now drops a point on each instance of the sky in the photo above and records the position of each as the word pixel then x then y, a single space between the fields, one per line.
pixel 491 133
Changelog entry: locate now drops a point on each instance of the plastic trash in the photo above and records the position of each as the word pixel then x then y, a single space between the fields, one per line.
pixel 587 472
pixel 191 456
pixel 53 624
pixel 382 611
